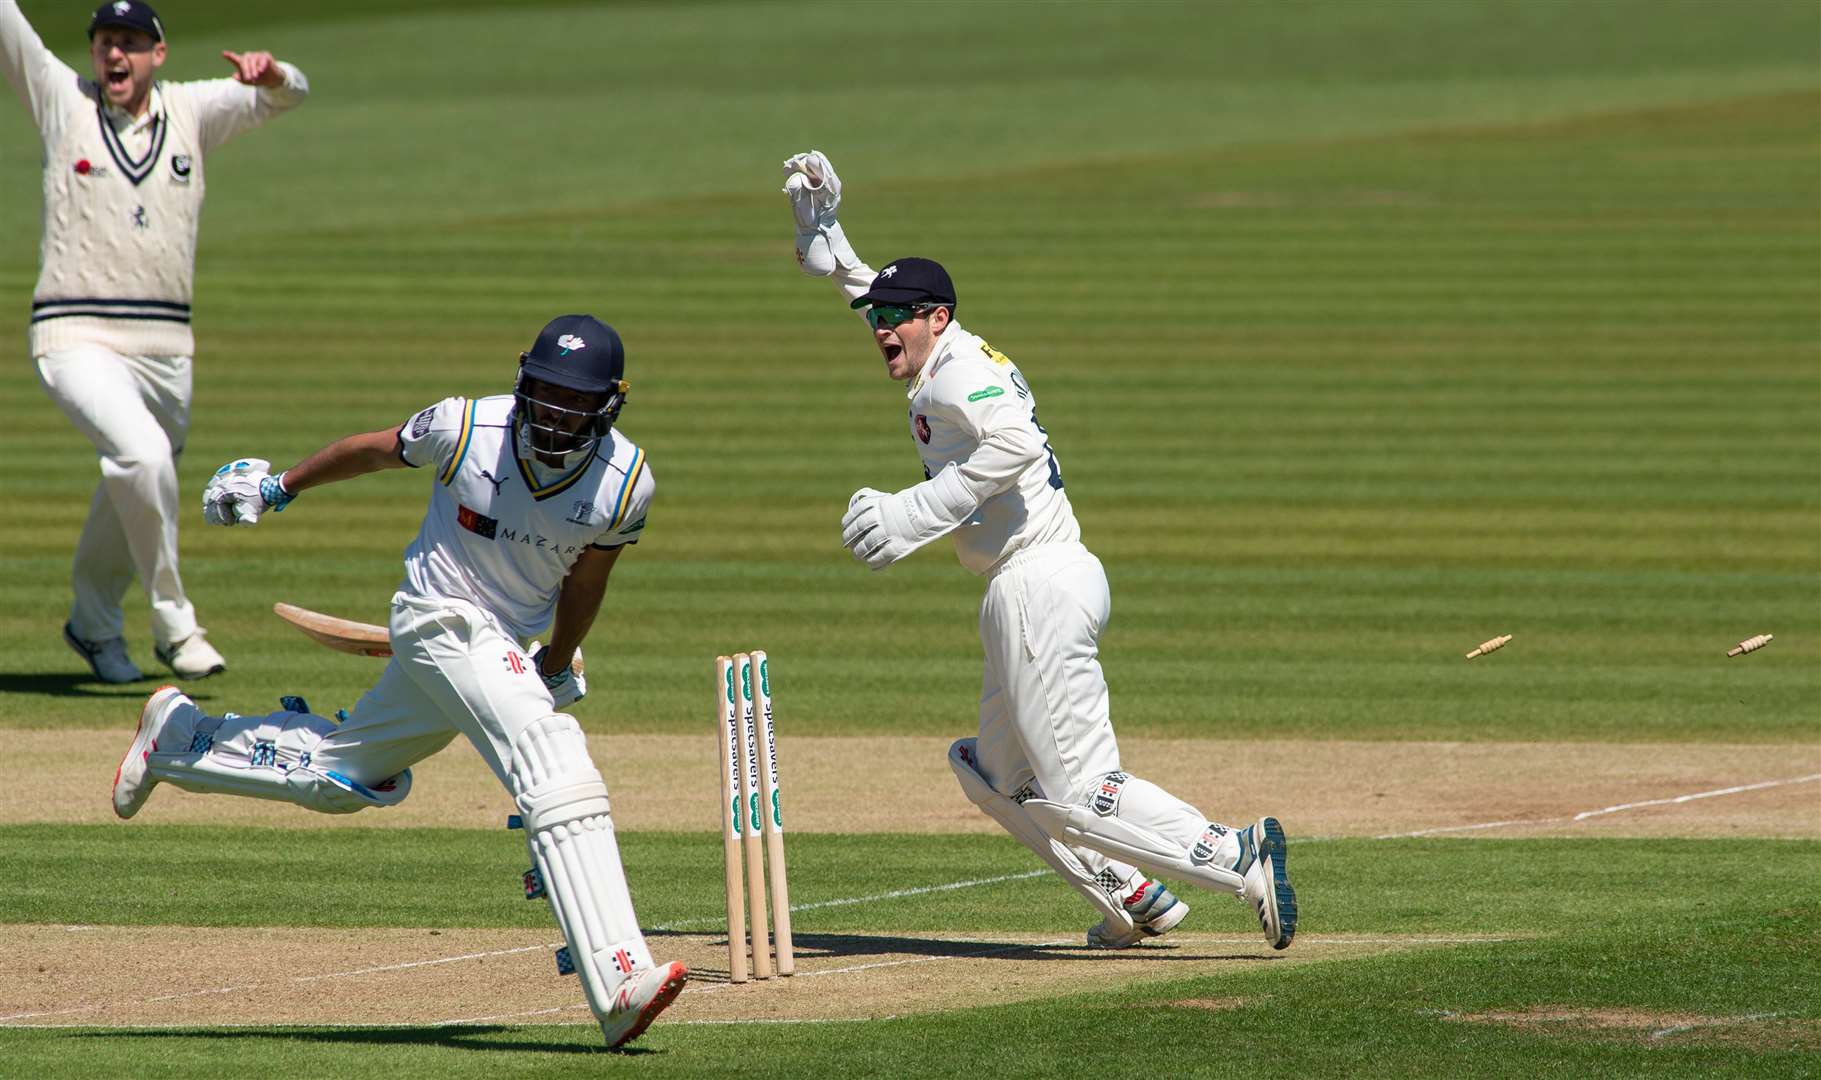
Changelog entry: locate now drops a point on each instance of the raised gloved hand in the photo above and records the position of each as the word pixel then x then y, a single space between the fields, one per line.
pixel 881 528
pixel 814 189
pixel 815 192
pixel 242 490
pixel 567 686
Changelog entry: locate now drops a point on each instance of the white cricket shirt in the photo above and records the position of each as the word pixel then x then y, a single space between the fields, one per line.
pixel 497 536
pixel 971 405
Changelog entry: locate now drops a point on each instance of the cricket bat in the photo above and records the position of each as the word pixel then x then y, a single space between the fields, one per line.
pixel 342 635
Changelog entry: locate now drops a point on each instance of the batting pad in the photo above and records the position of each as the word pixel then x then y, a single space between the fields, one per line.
pixel 266 757
pixel 1145 825
pixel 1081 874
pixel 563 801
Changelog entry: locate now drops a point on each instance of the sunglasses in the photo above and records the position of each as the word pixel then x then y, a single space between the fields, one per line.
pixel 886 316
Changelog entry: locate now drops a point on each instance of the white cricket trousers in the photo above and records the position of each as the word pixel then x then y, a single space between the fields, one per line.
pixel 453 671
pixel 1045 728
pixel 1043 699
pixel 136 412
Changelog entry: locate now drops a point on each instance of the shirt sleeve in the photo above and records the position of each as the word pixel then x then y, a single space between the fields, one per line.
pixel 989 402
pixel 438 436
pixel 226 108
pixel 40 79
pixel 628 518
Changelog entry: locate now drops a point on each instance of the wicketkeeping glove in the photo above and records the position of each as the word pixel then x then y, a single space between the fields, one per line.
pixel 242 490
pixel 882 528
pixel 815 192
pixel 567 686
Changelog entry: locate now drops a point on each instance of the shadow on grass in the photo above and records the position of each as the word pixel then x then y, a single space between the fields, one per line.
pixel 75 685
pixel 82 685
pixel 474 1037
pixel 890 950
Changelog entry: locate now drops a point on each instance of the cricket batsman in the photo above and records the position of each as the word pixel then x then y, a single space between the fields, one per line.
pixel 1045 763
pixel 534 495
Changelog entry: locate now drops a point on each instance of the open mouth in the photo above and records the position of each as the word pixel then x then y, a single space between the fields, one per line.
pixel 892 351
pixel 119 76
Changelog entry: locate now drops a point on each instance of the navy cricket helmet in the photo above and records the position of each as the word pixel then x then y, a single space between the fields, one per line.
pixel 574 352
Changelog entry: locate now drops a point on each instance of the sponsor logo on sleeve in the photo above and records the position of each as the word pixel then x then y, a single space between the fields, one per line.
pixel 989 392
pixel 420 424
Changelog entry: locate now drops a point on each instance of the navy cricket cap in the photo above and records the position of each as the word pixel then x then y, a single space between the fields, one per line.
pixel 910 281
pixel 578 352
pixel 132 14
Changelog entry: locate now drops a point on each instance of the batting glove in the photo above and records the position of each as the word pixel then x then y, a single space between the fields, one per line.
pixel 242 490
pixel 567 686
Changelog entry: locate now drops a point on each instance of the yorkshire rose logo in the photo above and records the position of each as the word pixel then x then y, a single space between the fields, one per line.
pixel 569 343
pixel 888 271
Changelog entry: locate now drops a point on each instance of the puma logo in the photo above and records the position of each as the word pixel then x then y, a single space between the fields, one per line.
pixel 496 481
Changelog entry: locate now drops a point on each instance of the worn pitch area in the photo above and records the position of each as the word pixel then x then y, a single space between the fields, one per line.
pixel 1318 788
pixel 101 975
pixel 104 977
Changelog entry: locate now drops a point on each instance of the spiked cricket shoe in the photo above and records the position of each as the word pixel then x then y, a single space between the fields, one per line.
pixel 133 780
pixel 192 658
pixel 1155 911
pixel 639 1000
pixel 1262 858
pixel 107 659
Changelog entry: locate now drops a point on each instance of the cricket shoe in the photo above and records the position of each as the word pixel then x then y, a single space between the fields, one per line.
pixel 192 658
pixel 133 780
pixel 107 659
pixel 1155 912
pixel 639 1000
pixel 1263 854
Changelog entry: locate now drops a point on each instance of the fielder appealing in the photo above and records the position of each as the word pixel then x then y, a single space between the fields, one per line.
pixel 534 497
pixel 1045 764
pixel 110 329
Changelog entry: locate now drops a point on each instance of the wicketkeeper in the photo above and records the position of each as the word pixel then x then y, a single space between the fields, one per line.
pixel 1045 763
pixel 534 495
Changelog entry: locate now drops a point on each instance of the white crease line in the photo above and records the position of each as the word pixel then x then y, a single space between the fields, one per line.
pixel 1470 828
pixel 422 963
pixel 849 900
pixel 1585 814
pixel 475 1020
pixel 716 988
pixel 295 979
pixel 298 979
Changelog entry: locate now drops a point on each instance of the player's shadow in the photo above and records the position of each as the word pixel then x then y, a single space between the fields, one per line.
pixel 452 1037
pixel 890 950
pixel 74 685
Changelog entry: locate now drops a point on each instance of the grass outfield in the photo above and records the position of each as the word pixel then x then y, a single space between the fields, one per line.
pixel 1365 332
